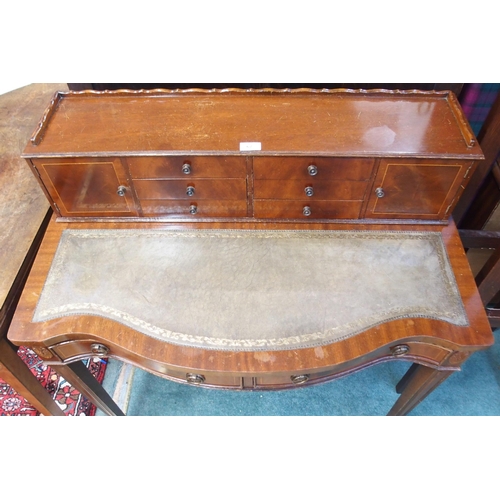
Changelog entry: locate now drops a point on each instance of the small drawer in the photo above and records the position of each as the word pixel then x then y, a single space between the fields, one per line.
pixel 195 209
pixel 309 189
pixel 279 209
pixel 205 379
pixel 306 168
pixel 406 351
pixel 166 167
pixel 195 189
pixel 426 352
pixel 81 349
pixel 288 381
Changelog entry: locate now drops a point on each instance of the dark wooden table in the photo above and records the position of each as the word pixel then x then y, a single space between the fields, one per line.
pixel 24 214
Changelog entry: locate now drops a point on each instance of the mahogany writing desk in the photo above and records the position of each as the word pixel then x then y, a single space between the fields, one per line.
pixel 253 240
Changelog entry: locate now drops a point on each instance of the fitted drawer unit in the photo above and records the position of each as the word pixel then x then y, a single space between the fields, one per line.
pixel 282 209
pixel 319 169
pixel 301 155
pixel 191 166
pixel 196 189
pixel 309 189
pixel 194 208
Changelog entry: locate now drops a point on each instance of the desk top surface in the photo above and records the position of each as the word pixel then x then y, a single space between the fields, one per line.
pixel 23 204
pixel 251 290
pixel 322 123
pixel 24 331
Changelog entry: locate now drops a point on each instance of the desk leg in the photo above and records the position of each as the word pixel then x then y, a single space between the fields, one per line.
pixel 401 385
pixel 82 380
pixel 15 372
pixel 415 386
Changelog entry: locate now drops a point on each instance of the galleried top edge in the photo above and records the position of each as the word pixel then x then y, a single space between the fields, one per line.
pixel 319 122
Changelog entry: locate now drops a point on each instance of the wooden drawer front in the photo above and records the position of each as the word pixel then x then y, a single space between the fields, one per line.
pixel 416 188
pixel 352 169
pixel 153 167
pixel 204 208
pixel 405 351
pixel 203 189
pixel 80 349
pixel 321 190
pixel 204 379
pixel 426 352
pixel 291 380
pixel 280 209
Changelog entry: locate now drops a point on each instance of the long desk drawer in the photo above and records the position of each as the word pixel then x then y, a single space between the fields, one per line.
pixel 196 189
pixel 162 167
pixel 201 208
pixel 318 169
pixel 309 190
pixel 282 209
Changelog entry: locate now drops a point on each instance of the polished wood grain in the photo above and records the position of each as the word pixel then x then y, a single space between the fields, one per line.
pixel 154 139
pixel 367 155
pixel 417 188
pixel 205 208
pixel 152 167
pixel 421 382
pixel 84 186
pixel 202 189
pixel 157 356
pixel 284 209
pixel 328 169
pixel 296 190
pixel 323 123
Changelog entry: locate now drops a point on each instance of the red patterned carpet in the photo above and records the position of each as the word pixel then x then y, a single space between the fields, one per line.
pixel 69 399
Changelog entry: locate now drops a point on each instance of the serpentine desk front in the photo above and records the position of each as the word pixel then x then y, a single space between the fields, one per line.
pixel 253 240
pixel 234 308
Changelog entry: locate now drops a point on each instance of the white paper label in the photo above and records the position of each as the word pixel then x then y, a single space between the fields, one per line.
pixel 250 146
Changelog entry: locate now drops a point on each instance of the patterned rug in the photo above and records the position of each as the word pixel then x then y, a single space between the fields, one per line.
pixel 67 397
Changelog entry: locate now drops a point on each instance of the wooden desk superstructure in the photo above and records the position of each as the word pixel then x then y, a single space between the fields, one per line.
pixel 336 160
